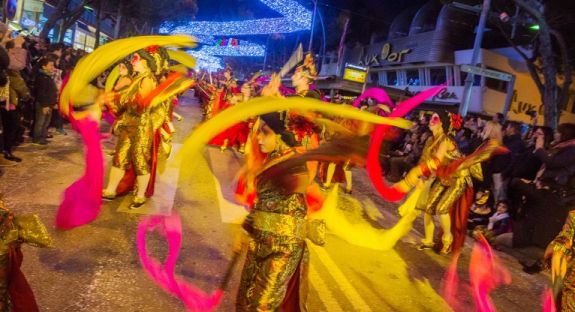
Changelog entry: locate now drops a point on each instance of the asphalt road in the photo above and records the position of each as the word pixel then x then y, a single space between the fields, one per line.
pixel 96 267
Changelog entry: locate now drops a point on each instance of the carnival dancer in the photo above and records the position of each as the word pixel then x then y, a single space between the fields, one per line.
pixel 229 95
pixel 134 127
pixel 559 254
pixel 447 195
pixel 15 293
pixel 277 256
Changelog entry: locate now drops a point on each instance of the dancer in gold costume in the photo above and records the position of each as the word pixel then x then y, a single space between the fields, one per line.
pixel 15 293
pixel 560 255
pixel 274 274
pixel 447 184
pixel 135 125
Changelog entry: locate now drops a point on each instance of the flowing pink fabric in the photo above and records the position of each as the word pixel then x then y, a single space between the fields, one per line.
pixel 82 200
pixel 485 273
pixel 451 284
pixel 373 166
pixel 376 93
pixel 163 275
pixel 548 301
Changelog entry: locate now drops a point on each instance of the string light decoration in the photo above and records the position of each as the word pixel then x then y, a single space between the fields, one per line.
pixel 205 61
pixel 294 18
pixel 239 50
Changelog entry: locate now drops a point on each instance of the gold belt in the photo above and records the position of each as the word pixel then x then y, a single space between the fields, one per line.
pixel 286 225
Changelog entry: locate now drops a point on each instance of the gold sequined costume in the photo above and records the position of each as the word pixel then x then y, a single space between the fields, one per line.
pixel 274 274
pixel 563 245
pixel 443 192
pixel 14 231
pixel 135 131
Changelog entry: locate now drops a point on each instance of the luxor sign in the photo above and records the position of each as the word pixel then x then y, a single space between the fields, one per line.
pixel 385 55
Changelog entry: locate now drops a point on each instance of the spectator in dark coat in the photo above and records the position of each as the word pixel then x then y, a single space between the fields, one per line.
pixel 46 97
pixel 544 199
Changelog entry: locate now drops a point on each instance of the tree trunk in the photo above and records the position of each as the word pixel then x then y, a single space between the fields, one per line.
pixel 567 70
pixel 549 96
pixel 54 18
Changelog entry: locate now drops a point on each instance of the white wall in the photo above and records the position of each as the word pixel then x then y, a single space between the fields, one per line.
pixel 526 96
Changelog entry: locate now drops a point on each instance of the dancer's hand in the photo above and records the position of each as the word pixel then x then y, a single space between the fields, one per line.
pixel 105 98
pixel 272 88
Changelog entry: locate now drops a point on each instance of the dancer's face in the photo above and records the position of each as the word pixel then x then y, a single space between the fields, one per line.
pixel 138 64
pixel 435 123
pixel 266 139
pixel 298 80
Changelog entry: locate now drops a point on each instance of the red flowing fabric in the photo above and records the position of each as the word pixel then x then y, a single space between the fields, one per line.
pixel 82 200
pixel 458 214
pixel 485 274
pixel 163 274
pixel 373 165
pixel 21 295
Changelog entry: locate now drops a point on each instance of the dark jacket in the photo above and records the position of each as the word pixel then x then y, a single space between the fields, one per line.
pixel 516 149
pixel 559 165
pixel 45 90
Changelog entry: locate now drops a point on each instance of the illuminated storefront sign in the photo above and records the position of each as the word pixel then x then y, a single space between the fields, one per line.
pixel 385 55
pixel 355 73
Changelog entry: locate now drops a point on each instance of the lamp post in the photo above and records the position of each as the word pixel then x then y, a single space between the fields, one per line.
pixel 476 47
pixel 312 25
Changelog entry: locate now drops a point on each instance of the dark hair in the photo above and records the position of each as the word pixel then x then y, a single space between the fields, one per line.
pixel 547 134
pixel 503 201
pixel 277 125
pixel 55 47
pixel 445 121
pixel 10 45
pixel 514 125
pixel 44 61
pixel 567 131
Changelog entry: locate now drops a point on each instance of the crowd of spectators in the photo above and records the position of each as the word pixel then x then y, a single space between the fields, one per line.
pixel 31 73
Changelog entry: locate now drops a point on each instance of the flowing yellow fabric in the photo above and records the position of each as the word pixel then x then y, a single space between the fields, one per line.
pixel 262 105
pixel 95 63
pixel 112 77
pixel 182 58
pixel 178 86
pixel 364 234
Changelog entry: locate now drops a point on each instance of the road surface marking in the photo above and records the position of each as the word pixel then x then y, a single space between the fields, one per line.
pixel 325 295
pixel 349 291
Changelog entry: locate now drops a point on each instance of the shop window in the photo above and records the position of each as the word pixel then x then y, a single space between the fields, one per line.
pixel 68 36
pixel 496 84
pixel 476 79
pixel 80 40
pixel 437 76
pixel 392 78
pixel 374 77
pixel 412 77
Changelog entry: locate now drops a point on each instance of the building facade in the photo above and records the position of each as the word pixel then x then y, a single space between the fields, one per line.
pixel 31 15
pixel 427 46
